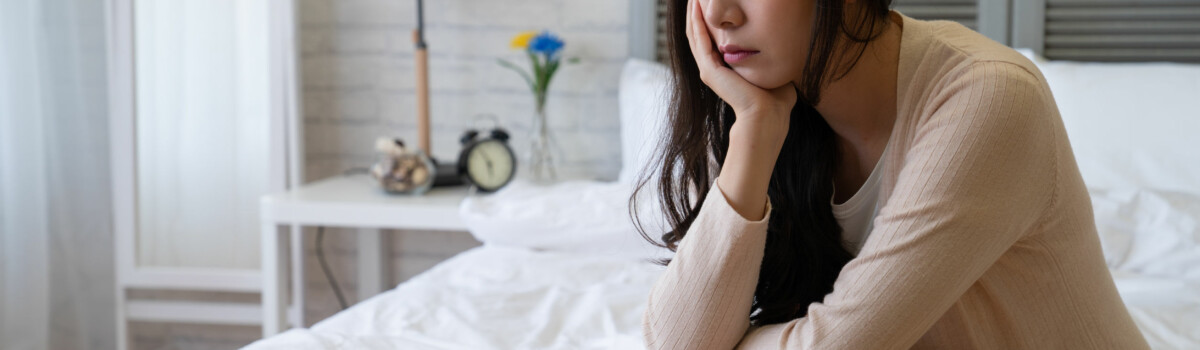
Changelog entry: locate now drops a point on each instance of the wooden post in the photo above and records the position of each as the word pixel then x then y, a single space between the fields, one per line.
pixel 421 56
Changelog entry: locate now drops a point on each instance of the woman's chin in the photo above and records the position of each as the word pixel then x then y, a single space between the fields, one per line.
pixel 761 79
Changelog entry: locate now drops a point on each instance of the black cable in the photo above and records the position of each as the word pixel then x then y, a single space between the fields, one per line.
pixel 325 267
pixel 333 284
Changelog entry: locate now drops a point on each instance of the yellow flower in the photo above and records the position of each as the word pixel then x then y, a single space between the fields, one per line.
pixel 521 41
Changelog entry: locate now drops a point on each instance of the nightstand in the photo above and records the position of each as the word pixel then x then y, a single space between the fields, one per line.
pixel 341 201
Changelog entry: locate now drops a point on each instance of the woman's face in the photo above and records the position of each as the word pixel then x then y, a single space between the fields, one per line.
pixel 764 41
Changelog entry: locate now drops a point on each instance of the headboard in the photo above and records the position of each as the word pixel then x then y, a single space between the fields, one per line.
pixel 1078 30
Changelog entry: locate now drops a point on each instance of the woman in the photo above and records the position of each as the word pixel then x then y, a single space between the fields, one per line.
pixel 840 176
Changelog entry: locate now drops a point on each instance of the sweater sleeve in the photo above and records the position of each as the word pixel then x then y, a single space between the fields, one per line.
pixel 973 181
pixel 702 300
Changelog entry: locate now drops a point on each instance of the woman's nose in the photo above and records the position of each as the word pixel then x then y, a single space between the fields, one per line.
pixel 722 14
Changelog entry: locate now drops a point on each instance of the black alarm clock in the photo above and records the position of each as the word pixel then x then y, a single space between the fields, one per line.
pixel 488 163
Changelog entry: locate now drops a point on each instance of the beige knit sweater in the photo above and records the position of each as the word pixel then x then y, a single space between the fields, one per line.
pixel 984 238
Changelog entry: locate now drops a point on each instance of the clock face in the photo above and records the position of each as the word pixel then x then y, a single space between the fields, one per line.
pixel 490 165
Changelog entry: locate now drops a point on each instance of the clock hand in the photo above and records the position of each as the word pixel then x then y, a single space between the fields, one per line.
pixel 500 157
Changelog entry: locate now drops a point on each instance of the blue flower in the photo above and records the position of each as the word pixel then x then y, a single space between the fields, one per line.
pixel 546 44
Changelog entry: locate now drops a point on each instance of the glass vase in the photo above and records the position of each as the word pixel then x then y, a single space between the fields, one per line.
pixel 541 165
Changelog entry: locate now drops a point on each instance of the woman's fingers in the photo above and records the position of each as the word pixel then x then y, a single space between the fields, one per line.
pixel 698 39
pixel 702 41
pixel 690 24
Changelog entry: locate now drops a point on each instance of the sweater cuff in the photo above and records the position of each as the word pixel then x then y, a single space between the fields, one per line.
pixel 722 236
pixel 719 199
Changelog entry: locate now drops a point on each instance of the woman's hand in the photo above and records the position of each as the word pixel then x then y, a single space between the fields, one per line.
pixel 757 136
pixel 746 99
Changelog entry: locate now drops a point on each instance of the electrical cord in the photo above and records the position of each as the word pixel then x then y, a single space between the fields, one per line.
pixel 325 267
pixel 333 284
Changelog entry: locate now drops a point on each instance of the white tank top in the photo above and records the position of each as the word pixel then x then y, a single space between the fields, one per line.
pixel 857 215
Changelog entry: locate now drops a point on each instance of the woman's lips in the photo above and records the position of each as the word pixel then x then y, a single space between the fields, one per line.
pixel 733 57
pixel 734 54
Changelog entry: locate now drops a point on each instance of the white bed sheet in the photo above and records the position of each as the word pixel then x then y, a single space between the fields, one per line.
pixel 1166 310
pixel 511 298
pixel 1151 241
pixel 494 297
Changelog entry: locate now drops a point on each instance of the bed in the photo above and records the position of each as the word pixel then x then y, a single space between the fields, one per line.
pixel 562 267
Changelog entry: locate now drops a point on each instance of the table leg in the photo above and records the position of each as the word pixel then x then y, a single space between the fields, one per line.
pixel 298 297
pixel 273 280
pixel 371 259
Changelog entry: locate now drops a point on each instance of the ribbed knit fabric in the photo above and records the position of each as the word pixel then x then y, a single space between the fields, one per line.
pixel 985 237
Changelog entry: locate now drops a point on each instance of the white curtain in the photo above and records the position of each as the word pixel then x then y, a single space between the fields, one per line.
pixel 202 155
pixel 56 265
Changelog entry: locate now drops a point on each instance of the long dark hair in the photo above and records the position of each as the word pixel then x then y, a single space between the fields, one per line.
pixel 804 252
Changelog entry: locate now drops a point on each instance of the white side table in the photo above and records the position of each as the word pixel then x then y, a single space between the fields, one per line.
pixel 343 201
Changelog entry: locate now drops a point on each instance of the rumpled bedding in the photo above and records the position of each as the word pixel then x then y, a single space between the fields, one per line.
pixel 494 297
pixel 1151 243
pixel 503 296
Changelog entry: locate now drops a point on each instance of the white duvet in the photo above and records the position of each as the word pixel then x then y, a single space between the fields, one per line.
pixel 1151 242
pixel 501 296
pixel 495 298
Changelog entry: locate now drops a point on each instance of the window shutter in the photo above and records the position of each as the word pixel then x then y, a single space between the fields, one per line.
pixel 961 11
pixel 660 31
pixel 1122 30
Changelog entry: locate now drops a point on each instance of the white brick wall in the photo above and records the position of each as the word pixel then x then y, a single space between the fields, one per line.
pixel 357 69
pixel 358 84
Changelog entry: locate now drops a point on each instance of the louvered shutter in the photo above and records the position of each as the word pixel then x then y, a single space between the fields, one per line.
pixel 660 31
pixel 1122 30
pixel 961 11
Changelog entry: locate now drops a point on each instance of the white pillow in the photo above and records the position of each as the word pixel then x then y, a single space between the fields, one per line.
pixel 642 101
pixel 586 217
pixel 1131 125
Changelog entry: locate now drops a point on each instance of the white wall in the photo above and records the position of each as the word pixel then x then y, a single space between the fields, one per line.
pixel 356 64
